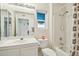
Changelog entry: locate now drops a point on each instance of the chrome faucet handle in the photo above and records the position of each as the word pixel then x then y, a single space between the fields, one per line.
pixel 21 38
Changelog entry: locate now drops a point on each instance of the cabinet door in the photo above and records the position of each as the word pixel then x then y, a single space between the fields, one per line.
pixel 30 51
pixel 13 52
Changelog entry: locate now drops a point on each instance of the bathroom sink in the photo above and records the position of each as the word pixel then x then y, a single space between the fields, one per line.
pixel 10 41
pixel 14 42
pixel 4 43
pixel 26 41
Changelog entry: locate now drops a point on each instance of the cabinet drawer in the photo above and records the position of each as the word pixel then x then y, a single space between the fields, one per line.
pixel 12 52
pixel 31 51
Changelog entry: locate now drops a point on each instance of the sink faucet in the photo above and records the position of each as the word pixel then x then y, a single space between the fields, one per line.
pixel 21 38
pixel 28 32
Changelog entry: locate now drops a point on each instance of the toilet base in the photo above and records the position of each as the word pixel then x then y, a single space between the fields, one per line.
pixel 48 52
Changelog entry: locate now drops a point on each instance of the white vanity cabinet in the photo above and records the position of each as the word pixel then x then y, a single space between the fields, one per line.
pixel 10 52
pixel 22 51
pixel 31 51
pixel 27 47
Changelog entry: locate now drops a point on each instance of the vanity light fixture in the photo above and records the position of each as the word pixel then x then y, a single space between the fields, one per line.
pixel 31 6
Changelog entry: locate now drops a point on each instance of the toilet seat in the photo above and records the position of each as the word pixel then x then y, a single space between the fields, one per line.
pixel 48 52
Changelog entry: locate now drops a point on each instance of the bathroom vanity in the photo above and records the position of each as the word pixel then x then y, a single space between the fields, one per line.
pixel 17 47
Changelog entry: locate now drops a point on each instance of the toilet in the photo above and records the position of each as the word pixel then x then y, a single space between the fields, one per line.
pixel 43 43
pixel 48 52
pixel 44 50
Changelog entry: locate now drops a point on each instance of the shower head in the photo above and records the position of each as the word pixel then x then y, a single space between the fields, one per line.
pixel 63 13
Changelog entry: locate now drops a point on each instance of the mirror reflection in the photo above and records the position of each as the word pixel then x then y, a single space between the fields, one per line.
pixel 6 23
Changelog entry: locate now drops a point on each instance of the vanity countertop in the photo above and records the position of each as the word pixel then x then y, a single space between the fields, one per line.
pixel 17 43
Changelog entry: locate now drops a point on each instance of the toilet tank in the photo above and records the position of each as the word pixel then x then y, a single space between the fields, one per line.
pixel 43 43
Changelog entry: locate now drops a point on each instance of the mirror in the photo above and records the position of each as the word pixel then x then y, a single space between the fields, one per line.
pixel 16 22
pixel 25 24
pixel 6 23
pixel 22 27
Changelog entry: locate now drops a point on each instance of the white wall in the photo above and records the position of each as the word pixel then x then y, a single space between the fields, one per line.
pixel 59 24
pixel 43 7
pixel 69 30
pixel 50 27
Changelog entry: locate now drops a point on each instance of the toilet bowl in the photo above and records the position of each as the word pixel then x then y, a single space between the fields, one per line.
pixel 43 44
pixel 44 50
pixel 48 52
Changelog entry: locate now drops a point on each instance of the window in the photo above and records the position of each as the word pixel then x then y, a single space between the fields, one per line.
pixel 41 19
pixel 40 16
